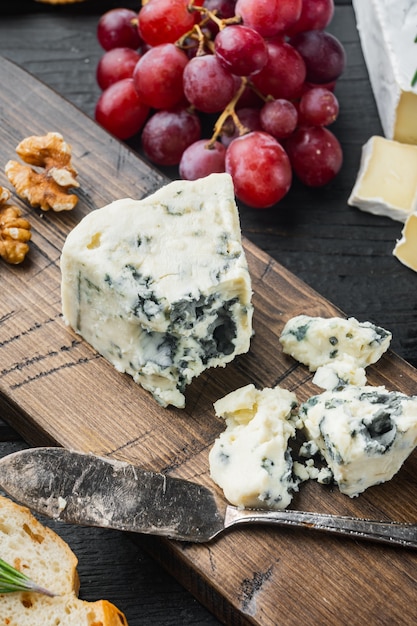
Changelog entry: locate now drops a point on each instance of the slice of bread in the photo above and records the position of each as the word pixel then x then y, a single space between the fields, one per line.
pixel 44 557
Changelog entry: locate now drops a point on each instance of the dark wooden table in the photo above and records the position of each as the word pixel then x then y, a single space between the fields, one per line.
pixel 344 254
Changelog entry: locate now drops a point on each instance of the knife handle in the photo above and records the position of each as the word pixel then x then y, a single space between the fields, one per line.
pixel 394 533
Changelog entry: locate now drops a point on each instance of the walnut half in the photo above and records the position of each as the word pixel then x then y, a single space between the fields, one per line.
pixel 14 231
pixel 48 188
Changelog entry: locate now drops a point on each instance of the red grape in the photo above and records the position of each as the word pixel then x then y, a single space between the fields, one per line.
pixel 284 73
pixel 269 75
pixel 116 64
pixel 120 109
pixel 241 50
pixel 269 17
pixel 315 15
pixel 224 8
pixel 323 54
pixel 260 169
pixel 158 76
pixel 318 107
pixel 167 134
pixel 199 160
pixel 207 85
pixel 117 29
pixel 279 118
pixel 315 155
pixel 164 21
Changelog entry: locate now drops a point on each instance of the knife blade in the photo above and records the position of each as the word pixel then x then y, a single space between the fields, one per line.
pixel 89 490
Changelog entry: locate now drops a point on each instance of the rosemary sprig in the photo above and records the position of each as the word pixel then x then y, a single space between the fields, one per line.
pixel 414 79
pixel 13 580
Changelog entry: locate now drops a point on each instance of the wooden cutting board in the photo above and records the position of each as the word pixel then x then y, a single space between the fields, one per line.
pixel 56 389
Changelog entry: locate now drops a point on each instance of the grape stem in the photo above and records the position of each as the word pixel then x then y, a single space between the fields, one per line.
pixel 212 15
pixel 230 111
pixel 197 34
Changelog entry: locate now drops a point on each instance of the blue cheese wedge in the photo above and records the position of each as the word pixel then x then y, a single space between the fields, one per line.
pixel 251 460
pixel 387 30
pixel 317 341
pixel 160 287
pixel 364 433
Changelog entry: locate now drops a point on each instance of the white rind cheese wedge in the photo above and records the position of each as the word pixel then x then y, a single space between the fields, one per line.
pixel 387 179
pixel 364 433
pixel 406 248
pixel 318 341
pixel 387 30
pixel 160 287
pixel 251 460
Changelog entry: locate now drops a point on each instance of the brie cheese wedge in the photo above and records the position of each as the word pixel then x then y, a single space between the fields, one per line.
pixel 387 179
pixel 406 247
pixel 387 30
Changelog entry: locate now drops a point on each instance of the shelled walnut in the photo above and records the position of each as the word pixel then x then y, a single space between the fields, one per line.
pixel 14 231
pixel 48 188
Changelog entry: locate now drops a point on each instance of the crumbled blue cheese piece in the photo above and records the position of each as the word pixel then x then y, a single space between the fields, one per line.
pixel 318 341
pixel 160 287
pixel 251 460
pixel 309 471
pixel 339 373
pixel 308 449
pixel 364 433
pixel 305 471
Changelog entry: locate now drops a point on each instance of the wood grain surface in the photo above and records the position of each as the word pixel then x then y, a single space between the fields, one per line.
pixel 55 389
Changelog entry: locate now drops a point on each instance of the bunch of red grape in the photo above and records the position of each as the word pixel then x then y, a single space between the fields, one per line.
pixel 266 70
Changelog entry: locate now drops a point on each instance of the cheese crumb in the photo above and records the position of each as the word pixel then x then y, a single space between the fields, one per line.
pixel 251 460
pixel 318 341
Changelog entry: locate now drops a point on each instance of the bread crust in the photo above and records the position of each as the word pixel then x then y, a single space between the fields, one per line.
pixel 46 558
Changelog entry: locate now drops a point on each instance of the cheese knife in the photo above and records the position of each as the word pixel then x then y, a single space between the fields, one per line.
pixel 90 490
